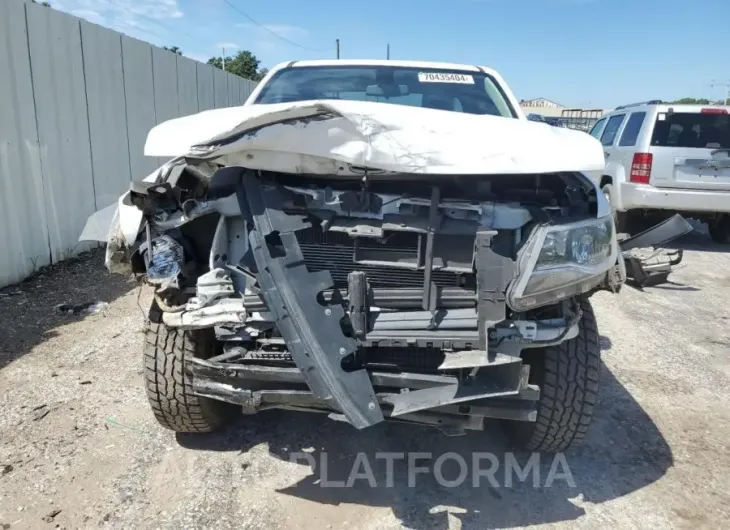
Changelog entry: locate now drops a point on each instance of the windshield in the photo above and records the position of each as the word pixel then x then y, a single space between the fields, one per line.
pixel 452 90
pixel 690 129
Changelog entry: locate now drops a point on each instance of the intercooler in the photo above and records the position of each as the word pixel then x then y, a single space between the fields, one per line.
pixel 335 252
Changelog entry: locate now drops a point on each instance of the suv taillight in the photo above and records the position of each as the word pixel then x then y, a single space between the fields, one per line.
pixel 641 168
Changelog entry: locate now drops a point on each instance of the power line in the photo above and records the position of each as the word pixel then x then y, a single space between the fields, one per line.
pixel 275 34
pixel 173 30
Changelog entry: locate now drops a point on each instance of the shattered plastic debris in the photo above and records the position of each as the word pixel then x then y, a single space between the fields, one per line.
pixel 87 307
pixel 166 261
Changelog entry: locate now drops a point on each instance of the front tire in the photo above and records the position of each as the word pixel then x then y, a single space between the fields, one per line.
pixel 568 378
pixel 170 387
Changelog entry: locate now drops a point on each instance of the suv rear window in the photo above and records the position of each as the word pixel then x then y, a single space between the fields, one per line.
pixel 692 129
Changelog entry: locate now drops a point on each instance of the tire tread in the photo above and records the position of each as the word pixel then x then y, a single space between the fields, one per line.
pixel 569 390
pixel 169 387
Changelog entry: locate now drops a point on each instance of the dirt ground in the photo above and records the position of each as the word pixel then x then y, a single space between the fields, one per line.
pixel 79 447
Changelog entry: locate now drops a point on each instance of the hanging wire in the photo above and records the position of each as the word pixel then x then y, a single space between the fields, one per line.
pixel 264 27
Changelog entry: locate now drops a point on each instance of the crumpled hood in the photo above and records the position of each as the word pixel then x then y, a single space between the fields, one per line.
pixel 319 137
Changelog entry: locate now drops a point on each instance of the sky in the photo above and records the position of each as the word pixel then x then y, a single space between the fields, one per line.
pixel 581 53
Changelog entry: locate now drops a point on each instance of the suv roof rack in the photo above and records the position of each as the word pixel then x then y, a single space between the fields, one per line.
pixel 650 102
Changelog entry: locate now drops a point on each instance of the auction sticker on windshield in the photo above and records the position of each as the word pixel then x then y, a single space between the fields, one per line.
pixel 437 77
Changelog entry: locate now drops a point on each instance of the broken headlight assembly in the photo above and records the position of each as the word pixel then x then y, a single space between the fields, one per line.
pixel 165 263
pixel 563 261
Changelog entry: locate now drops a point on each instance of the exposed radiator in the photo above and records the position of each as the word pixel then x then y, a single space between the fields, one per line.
pixel 334 252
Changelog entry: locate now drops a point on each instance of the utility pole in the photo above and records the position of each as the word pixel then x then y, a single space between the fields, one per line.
pixel 387 53
pixel 720 83
pixel 337 47
pixel 224 59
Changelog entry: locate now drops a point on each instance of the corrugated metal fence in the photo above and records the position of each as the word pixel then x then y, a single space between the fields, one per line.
pixel 76 103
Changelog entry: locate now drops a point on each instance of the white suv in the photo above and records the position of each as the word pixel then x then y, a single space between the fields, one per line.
pixel 663 158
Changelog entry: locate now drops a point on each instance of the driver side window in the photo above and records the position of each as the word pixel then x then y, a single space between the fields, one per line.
pixel 598 129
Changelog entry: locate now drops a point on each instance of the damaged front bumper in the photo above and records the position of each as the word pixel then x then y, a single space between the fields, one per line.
pixel 434 399
pixel 308 310
pixel 473 347
pixel 647 264
pixel 310 322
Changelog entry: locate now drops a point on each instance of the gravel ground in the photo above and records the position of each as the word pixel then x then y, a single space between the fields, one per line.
pixel 79 447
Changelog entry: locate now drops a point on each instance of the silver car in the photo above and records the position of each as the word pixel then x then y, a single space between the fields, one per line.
pixel 663 158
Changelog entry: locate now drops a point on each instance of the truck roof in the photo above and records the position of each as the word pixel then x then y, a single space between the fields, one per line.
pixel 387 62
pixel 663 106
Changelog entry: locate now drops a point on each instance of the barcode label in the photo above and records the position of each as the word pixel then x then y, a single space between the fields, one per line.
pixel 436 77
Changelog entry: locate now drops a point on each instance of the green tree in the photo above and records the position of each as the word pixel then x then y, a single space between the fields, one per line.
pixel 47 4
pixel 697 101
pixel 173 49
pixel 691 101
pixel 243 64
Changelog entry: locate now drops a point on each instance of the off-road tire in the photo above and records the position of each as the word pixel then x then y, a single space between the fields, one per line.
pixel 568 378
pixel 169 386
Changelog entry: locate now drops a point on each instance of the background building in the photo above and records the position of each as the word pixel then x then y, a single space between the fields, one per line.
pixel 542 106
pixel 575 118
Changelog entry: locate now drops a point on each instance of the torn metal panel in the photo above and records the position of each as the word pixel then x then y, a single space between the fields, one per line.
pixel 211 286
pixel 448 424
pixel 247 373
pixel 229 311
pixel 504 380
pixel 501 408
pixel 312 333
pixel 475 359
pixel 241 384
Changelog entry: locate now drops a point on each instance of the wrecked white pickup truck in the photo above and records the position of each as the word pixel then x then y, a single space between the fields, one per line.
pixel 375 240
